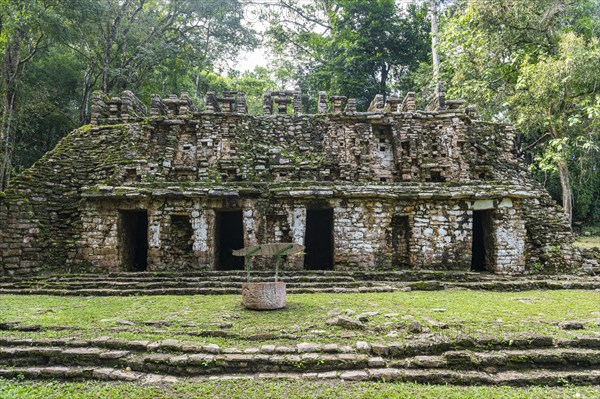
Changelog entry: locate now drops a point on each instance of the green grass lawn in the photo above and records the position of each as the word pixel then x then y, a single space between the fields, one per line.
pixel 588 242
pixel 244 389
pixel 467 313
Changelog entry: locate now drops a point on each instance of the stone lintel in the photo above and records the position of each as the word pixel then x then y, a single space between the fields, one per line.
pixel 481 197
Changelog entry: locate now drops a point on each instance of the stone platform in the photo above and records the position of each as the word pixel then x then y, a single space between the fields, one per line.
pixel 532 360
pixel 225 283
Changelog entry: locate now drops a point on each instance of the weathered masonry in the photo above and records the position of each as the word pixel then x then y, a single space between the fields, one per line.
pixel 172 188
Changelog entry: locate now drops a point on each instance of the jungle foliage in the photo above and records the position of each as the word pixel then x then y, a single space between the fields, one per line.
pixel 530 63
pixel 535 64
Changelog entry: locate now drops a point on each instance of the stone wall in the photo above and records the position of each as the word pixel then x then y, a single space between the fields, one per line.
pixel 441 235
pixel 438 233
pixel 39 213
pixel 434 146
pixel 403 185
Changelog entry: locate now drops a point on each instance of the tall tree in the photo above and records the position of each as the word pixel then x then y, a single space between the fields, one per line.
pixel 503 55
pixel 148 46
pixel 21 35
pixel 351 47
pixel 48 94
pixel 433 11
pixel 559 95
pixel 125 43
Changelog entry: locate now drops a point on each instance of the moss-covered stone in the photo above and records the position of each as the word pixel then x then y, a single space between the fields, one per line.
pixel 403 188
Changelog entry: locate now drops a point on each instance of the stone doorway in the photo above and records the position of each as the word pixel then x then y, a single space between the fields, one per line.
pixel 318 239
pixel 229 233
pixel 134 240
pixel 482 236
pixel 400 241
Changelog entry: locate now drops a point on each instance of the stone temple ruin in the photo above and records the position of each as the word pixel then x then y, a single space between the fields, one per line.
pixel 175 189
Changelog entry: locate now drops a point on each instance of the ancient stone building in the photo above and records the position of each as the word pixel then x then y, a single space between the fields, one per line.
pixel 172 188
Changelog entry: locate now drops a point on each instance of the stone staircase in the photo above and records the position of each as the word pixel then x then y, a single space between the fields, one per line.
pixel 533 360
pixel 216 283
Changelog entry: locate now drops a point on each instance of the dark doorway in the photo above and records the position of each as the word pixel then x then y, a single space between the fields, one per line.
pixel 230 236
pixel 400 241
pixel 134 240
pixel 436 177
pixel 481 233
pixel 318 239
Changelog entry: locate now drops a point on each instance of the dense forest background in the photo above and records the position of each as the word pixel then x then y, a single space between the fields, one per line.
pixel 535 64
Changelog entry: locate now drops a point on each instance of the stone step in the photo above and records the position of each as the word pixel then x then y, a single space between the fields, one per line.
pixel 169 282
pixel 179 284
pixel 391 350
pixel 517 284
pixel 216 283
pixel 372 287
pixel 549 358
pixel 407 276
pixel 528 285
pixel 83 373
pixel 404 275
pixel 183 364
pixel 229 289
pixel 56 356
pixel 211 360
pixel 119 292
pixel 439 376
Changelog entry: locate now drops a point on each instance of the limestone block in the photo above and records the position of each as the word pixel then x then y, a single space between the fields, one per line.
pixel 264 296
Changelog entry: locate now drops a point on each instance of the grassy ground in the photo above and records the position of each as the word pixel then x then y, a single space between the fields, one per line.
pixel 280 389
pixel 467 313
pixel 588 242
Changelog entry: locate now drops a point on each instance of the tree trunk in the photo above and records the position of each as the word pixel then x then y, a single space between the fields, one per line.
pixel 111 36
pixel 197 83
pixel 7 138
pixel 84 114
pixel 10 75
pixel 384 79
pixel 434 42
pixel 106 66
pixel 567 195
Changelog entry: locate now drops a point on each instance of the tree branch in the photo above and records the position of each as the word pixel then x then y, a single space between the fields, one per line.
pixel 535 143
pixel 33 51
pixel 304 16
